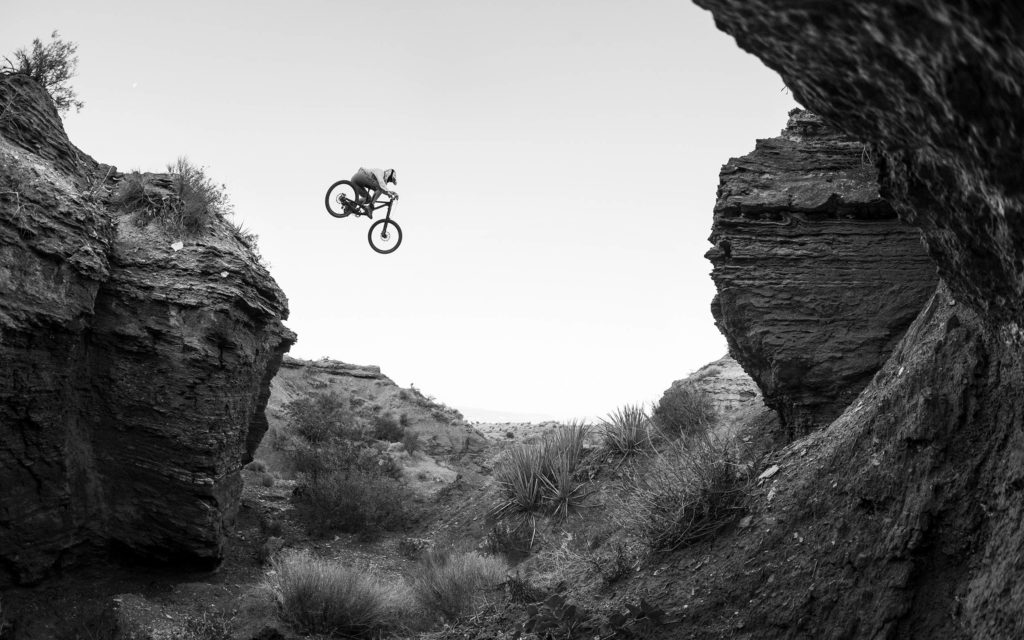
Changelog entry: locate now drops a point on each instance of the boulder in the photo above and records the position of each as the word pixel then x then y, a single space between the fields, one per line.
pixel 817 277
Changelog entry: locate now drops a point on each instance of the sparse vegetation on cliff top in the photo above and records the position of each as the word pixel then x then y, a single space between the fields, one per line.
pixel 52 65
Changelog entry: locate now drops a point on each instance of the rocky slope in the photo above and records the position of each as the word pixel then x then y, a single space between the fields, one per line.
pixel 902 518
pixel 135 369
pixel 441 429
pixel 817 277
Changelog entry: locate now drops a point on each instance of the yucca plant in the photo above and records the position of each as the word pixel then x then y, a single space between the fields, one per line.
pixel 627 431
pixel 562 492
pixel 519 476
pixel 542 478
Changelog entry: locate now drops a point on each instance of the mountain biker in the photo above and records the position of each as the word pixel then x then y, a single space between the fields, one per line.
pixel 376 181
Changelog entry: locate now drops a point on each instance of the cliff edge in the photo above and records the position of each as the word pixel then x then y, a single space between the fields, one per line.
pixel 136 362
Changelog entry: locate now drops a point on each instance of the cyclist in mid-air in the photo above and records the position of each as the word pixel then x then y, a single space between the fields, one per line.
pixel 376 182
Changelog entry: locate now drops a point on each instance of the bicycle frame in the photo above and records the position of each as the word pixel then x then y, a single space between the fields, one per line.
pixel 370 208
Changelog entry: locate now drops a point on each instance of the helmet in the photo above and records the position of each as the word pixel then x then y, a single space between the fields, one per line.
pixel 389 176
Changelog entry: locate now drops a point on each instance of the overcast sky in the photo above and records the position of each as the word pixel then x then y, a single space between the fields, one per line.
pixel 557 166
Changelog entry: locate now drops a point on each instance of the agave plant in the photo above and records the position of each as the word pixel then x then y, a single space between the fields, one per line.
pixel 627 430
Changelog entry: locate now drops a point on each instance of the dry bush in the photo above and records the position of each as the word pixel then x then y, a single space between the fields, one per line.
pixel 411 441
pixel 684 410
pixel 457 584
pixel 52 66
pixel 267 480
pixel 324 596
pixel 543 478
pixel 192 200
pixel 627 431
pixel 687 494
pixel 321 417
pixel 387 428
pixel 197 198
pixel 356 501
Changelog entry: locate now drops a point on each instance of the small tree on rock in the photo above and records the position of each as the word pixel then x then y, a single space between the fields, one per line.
pixel 51 65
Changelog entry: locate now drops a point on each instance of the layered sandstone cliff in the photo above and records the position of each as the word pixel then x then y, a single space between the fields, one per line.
pixel 902 518
pixel 133 369
pixel 817 277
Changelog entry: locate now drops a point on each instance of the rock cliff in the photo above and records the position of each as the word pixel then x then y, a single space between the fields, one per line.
pixel 817 277
pixel 134 369
pixel 902 518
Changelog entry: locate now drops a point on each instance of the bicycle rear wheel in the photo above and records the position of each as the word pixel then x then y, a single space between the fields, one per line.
pixel 387 237
pixel 343 199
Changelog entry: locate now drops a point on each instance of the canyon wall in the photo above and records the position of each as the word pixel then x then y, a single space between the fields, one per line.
pixel 901 518
pixel 817 277
pixel 136 363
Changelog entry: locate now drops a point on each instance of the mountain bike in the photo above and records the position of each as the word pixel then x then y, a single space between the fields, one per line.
pixel 345 198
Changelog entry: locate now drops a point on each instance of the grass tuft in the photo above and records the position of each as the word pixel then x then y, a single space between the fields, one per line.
pixel 688 494
pixel 457 584
pixel 324 596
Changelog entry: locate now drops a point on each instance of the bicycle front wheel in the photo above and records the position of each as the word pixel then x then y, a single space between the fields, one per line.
pixel 385 236
pixel 342 199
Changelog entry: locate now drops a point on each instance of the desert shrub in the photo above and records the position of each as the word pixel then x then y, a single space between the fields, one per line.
pixel 404 420
pixel 136 192
pixel 627 431
pixel 456 584
pixel 197 198
pixel 355 501
pixel 323 596
pixel 385 427
pixel 343 455
pixel 688 494
pixel 544 477
pixel 267 480
pixel 184 204
pixel 320 417
pixel 684 410
pixel 411 441
pixel 257 466
pixel 51 65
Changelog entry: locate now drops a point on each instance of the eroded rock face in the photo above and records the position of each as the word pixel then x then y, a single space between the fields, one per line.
pixel 133 375
pixel 937 89
pixel 902 518
pixel 817 277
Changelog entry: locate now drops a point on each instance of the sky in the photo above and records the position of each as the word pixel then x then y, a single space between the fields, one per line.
pixel 557 165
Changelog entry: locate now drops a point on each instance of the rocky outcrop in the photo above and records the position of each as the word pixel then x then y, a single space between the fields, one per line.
pixel 936 89
pixel 902 518
pixel 817 277
pixel 134 369
pixel 728 386
pixel 441 429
